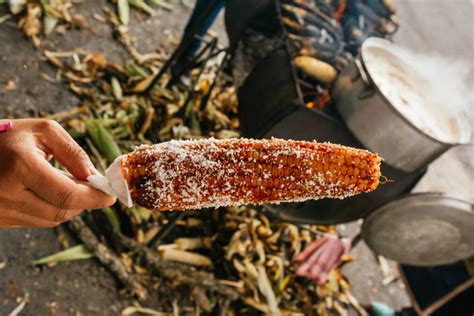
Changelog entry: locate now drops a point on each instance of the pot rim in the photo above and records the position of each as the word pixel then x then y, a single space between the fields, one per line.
pixel 446 196
pixel 385 42
pixel 462 208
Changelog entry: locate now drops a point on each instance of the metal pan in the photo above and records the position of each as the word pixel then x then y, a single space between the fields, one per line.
pixel 424 229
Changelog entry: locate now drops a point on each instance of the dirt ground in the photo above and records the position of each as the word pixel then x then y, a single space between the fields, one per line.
pixel 84 287
pixel 74 288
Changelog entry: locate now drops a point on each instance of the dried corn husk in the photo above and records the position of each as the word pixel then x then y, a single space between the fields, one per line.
pixel 192 243
pixel 116 88
pixel 49 23
pixel 185 257
pixel 16 6
pixel 142 5
pixel 78 252
pixel 30 24
pixel 162 4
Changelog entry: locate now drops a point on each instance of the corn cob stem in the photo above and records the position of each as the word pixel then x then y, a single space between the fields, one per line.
pixel 195 174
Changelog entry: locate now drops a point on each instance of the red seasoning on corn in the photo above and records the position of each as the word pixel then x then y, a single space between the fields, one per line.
pixel 180 175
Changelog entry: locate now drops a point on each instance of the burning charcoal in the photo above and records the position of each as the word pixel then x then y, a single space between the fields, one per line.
pixel 311 31
pixel 324 5
pixel 323 50
pixel 321 10
pixel 294 26
pixel 366 18
pixel 309 17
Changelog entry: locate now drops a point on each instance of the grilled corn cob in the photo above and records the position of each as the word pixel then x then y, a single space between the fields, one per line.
pixel 316 68
pixel 179 175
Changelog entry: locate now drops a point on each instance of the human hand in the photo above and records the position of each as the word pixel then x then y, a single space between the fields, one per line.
pixel 320 257
pixel 32 192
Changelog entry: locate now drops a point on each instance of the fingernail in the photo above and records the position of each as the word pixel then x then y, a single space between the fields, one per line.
pixel 6 126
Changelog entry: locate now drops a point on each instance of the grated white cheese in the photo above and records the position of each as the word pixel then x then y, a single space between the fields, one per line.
pixel 214 173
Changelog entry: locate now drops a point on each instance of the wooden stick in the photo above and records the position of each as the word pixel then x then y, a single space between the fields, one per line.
pixel 179 272
pixel 445 299
pixel 408 289
pixel 107 257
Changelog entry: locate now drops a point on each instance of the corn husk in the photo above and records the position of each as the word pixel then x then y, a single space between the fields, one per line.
pixel 103 140
pixel 123 9
pixel 78 252
pixel 16 6
pixel 185 257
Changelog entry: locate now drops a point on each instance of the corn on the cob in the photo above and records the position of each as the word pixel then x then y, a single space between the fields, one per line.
pixel 179 175
pixel 316 68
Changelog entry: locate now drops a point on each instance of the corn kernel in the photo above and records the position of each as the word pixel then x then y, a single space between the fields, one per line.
pixel 356 161
pixel 356 172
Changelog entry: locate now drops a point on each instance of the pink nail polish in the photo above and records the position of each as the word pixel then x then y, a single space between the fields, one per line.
pixel 5 126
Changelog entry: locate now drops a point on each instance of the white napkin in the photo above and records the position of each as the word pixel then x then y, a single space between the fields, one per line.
pixel 113 183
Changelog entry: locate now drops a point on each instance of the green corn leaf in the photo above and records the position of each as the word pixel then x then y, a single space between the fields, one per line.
pixel 116 88
pixel 49 20
pixel 49 23
pixel 162 4
pixel 112 217
pixel 103 140
pixel 135 70
pixel 141 5
pixel 78 252
pixel 123 9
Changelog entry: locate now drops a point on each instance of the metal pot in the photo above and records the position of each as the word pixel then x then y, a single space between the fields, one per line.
pixel 270 106
pixel 378 124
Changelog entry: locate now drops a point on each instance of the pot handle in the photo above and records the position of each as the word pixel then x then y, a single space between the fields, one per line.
pixel 361 72
pixel 470 144
pixel 368 90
